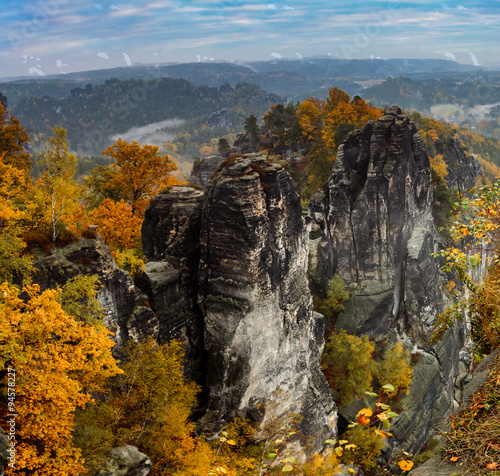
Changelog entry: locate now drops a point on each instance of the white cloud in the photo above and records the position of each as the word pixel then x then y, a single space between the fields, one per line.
pixel 126 57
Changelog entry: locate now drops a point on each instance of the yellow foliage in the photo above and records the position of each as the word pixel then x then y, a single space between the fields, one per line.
pixel 139 172
pixel 119 228
pixel 439 165
pixel 309 118
pixel 129 261
pixel 348 364
pixel 395 369
pixel 14 184
pixel 58 362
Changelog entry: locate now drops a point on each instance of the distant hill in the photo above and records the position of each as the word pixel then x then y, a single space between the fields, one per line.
pixel 466 90
pixel 93 115
pixel 326 67
pixel 295 79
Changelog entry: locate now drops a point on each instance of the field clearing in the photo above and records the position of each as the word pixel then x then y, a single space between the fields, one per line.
pixel 447 110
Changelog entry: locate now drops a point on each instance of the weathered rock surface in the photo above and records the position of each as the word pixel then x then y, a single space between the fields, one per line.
pixel 435 466
pixel 126 461
pixel 127 309
pixel 219 120
pixel 463 168
pixel 243 253
pixel 203 169
pixel 4 454
pixel 376 219
pixel 263 338
pixel 171 244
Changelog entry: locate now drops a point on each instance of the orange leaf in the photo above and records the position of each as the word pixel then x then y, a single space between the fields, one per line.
pixel 363 420
pixel 405 464
pixel 492 466
pixel 454 458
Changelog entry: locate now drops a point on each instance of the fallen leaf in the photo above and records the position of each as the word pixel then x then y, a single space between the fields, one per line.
pixel 405 464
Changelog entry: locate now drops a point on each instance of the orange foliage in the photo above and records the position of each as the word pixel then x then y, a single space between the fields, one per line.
pixel 118 226
pixel 139 172
pixel 57 363
pixel 13 138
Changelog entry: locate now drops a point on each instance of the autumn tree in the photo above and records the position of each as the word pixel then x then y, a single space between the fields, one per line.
pixel 13 141
pixel 58 363
pixel 476 241
pixel 14 185
pixel 118 226
pixel 149 404
pixel 138 173
pixel 55 196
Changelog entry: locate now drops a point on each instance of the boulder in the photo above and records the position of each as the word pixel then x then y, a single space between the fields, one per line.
pixel 126 461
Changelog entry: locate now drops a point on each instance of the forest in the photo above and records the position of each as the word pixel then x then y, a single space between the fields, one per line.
pixel 76 397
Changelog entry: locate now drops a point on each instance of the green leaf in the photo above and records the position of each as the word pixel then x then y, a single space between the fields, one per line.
pixel 287 468
pixel 271 455
pixel 330 442
pixel 371 394
pixel 392 414
pixel 388 387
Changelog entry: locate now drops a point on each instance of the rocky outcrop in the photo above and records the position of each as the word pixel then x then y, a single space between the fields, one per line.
pixel 220 120
pixel 263 338
pixel 378 235
pixel 4 453
pixel 463 169
pixel 128 314
pixel 247 144
pixel 246 245
pixel 171 236
pixel 126 461
pixel 203 169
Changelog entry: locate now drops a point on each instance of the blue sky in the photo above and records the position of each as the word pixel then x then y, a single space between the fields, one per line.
pixel 54 36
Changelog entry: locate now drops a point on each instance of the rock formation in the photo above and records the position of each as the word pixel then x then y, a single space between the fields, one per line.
pixel 263 339
pixel 219 120
pixel 463 169
pixel 127 309
pixel 171 235
pixel 203 169
pixel 377 233
pixel 126 461
pixel 261 332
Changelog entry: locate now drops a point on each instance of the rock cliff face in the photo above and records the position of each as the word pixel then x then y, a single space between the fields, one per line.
pixel 203 169
pixel 171 235
pixel 463 169
pixel 128 312
pixel 378 234
pixel 263 339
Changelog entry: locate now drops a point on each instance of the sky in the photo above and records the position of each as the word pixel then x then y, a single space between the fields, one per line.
pixel 44 37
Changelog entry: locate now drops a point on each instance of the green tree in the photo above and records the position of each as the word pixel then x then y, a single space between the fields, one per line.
pixel 223 147
pixel 252 127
